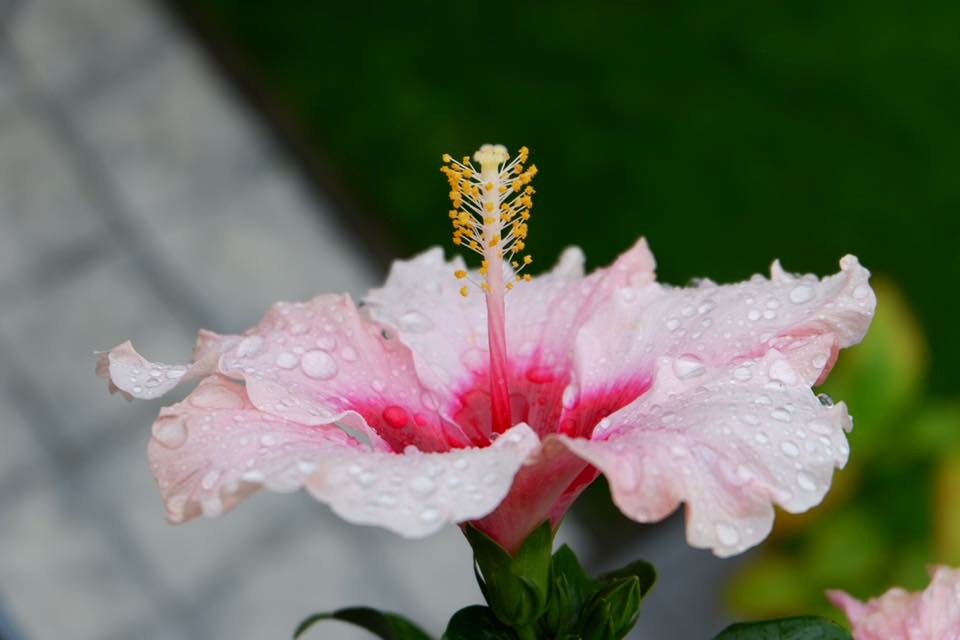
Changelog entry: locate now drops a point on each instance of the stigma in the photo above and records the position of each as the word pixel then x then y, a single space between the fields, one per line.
pixel 492 202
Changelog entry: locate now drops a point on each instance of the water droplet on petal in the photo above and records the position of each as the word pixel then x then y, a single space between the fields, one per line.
pixel 249 346
pixel 319 365
pixel 742 374
pixel 176 373
pixel 806 481
pixel 780 414
pixel 170 431
pixel 210 479
pixel 825 399
pixel 415 321
pixel 801 294
pixel 818 426
pixel 782 371
pixel 688 366
pixel 570 396
pixel 396 416
pixel 327 342
pixel 286 360
pixel 349 354
pixel 861 292
pixel 727 534
pixel 790 448
pixel 428 516
pixel 422 485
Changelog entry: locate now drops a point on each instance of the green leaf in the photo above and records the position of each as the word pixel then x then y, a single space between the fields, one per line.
pixel 614 610
pixel 797 628
pixel 387 626
pixel 517 586
pixel 477 623
pixel 641 569
pixel 570 589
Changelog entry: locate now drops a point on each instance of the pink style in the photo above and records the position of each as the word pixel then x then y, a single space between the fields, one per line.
pixel 426 405
pixel 933 614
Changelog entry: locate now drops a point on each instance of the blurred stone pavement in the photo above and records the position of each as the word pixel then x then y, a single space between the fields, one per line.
pixel 140 199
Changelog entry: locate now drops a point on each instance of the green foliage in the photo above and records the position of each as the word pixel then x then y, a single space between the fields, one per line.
pixel 798 628
pixel 386 626
pixel 516 586
pixel 477 623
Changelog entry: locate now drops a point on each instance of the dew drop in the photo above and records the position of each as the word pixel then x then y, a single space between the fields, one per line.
pixel 688 366
pixel 789 448
pixel 727 534
pixel 782 371
pixel 570 396
pixel 428 516
pixel 753 315
pixel 349 354
pixel 761 437
pixel 861 292
pixel 250 346
pixel 780 414
pixel 742 374
pixel 415 321
pixel 801 294
pixel 210 479
pixel 396 416
pixel 806 481
pixel 769 314
pixel 818 426
pixel 176 373
pixel 825 399
pixel 422 485
pixel 286 360
pixel 327 342
pixel 170 431
pixel 319 365
pixel 672 324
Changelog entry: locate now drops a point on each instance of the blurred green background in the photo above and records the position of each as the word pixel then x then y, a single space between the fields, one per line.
pixel 728 133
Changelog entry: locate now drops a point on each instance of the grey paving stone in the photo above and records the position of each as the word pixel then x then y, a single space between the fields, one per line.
pixel 170 134
pixel 59 576
pixel 44 210
pixel 53 333
pixel 308 573
pixel 21 455
pixel 69 44
pixel 186 559
pixel 259 243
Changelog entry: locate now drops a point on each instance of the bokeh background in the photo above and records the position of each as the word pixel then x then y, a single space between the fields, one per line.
pixel 174 165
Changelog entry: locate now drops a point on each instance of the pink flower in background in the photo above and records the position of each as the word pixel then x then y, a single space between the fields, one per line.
pixel 428 406
pixel 933 614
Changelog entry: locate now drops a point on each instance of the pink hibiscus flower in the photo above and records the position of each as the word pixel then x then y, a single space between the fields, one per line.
pixel 933 614
pixel 427 405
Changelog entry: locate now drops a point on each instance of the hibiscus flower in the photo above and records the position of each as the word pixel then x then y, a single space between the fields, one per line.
pixel 496 402
pixel 933 614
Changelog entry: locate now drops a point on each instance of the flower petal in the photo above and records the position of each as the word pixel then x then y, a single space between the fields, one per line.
pixel 901 615
pixel 728 445
pixel 214 448
pixel 136 377
pixel 310 362
pixel 415 493
pixel 448 333
pixel 710 325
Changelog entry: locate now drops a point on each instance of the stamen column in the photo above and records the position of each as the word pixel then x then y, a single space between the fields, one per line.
pixel 495 289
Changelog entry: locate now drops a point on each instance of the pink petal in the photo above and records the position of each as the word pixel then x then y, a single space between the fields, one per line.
pixel 415 493
pixel 215 448
pixel 710 325
pixel 727 445
pixel 933 614
pixel 314 362
pixel 136 377
pixel 447 333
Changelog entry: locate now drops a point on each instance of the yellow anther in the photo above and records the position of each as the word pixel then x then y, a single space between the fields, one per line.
pixel 466 160
pixel 527 277
pixel 447 158
pixel 488 186
pixel 494 242
pixel 515 185
pixel 514 264
pixel 488 206
pixel 463 217
pixel 460 274
pixel 464 291
pixel 519 246
pixel 502 189
pixel 485 286
pixel 527 259
pixel 509 285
